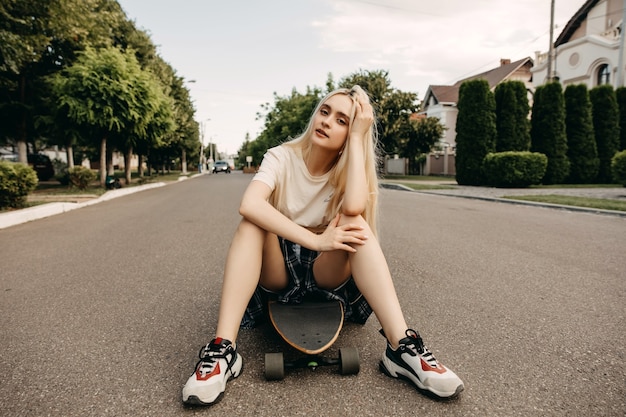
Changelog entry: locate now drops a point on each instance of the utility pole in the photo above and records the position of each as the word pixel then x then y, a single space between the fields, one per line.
pixel 551 49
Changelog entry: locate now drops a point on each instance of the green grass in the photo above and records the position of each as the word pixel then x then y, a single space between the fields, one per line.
pixel 418 186
pixel 574 186
pixel 596 203
pixel 420 182
pixel 417 178
pixel 53 191
pixel 54 187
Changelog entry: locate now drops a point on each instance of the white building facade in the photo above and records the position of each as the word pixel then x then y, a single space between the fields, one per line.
pixel 588 49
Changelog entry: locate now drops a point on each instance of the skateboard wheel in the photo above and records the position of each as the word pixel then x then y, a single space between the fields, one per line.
pixel 349 363
pixel 274 366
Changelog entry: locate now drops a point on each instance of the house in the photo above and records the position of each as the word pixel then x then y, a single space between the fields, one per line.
pixel 441 101
pixel 588 49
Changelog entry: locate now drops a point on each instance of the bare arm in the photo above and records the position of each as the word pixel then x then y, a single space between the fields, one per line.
pixel 256 208
pixel 357 191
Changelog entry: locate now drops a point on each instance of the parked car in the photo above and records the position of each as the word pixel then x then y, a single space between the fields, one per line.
pixel 6 155
pixel 42 166
pixel 221 166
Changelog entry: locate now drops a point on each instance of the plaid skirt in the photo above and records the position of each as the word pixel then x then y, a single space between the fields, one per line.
pixel 301 286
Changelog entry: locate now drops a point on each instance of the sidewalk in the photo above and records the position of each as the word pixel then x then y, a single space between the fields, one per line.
pixel 12 218
pixel 498 194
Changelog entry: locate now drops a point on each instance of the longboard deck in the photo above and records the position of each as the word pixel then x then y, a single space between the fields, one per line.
pixel 308 327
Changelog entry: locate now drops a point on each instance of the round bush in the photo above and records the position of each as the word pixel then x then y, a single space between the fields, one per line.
pixel 618 167
pixel 16 181
pixel 81 177
pixel 514 169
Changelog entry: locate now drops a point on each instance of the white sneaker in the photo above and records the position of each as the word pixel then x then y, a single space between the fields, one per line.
pixel 219 363
pixel 415 363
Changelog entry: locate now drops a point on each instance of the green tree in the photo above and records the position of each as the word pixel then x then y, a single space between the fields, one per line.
pixel 606 127
pixel 183 141
pixel 506 103
pixel 620 95
pixel 581 143
pixel 288 116
pixel 286 119
pixel 393 108
pixel 422 137
pixel 547 132
pixel 38 38
pixel 512 123
pixel 522 134
pixel 23 39
pixel 475 131
pixel 243 151
pixel 107 93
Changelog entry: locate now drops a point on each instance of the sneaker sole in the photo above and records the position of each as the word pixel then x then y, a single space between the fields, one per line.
pixel 194 401
pixel 421 389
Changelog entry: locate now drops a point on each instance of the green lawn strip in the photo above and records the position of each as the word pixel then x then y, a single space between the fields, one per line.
pixel 397 178
pixel 417 186
pixel 53 191
pixel 597 203
pixel 420 182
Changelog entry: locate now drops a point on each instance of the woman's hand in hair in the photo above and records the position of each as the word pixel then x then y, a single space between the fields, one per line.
pixel 343 237
pixel 363 116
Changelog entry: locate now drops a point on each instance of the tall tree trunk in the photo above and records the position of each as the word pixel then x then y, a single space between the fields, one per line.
pixel 22 151
pixel 149 163
pixel 140 165
pixel 127 158
pixel 69 150
pixel 110 168
pixel 184 162
pixel 22 147
pixel 103 161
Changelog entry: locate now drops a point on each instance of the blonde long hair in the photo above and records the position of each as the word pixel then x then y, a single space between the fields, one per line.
pixel 338 173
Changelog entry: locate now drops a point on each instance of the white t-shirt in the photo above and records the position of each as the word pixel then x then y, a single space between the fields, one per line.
pixel 306 196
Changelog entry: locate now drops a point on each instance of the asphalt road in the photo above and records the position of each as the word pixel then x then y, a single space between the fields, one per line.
pixel 105 308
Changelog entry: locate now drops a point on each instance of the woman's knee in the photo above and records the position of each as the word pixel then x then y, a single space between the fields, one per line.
pixel 358 220
pixel 249 230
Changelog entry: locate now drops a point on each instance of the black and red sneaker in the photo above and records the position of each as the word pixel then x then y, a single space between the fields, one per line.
pixel 415 363
pixel 219 362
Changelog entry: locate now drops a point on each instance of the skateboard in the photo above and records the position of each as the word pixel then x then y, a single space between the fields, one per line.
pixel 310 328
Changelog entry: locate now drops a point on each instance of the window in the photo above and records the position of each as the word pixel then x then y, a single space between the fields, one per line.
pixel 604 75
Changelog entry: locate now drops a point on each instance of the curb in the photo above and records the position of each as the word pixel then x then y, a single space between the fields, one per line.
pixel 16 217
pixel 401 187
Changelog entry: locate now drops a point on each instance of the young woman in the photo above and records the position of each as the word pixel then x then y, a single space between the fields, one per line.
pixel 309 228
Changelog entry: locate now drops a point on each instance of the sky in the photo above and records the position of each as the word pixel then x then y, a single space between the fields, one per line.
pixel 236 54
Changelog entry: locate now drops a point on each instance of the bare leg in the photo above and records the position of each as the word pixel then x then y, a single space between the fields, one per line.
pixel 251 252
pixel 371 275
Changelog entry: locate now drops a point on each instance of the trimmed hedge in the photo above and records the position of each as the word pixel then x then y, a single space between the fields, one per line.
pixel 514 169
pixel 618 167
pixel 16 181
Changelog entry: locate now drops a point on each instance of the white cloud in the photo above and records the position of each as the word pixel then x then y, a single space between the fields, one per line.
pixel 240 55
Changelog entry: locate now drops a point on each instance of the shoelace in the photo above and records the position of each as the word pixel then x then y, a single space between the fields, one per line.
pixel 417 343
pixel 209 355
